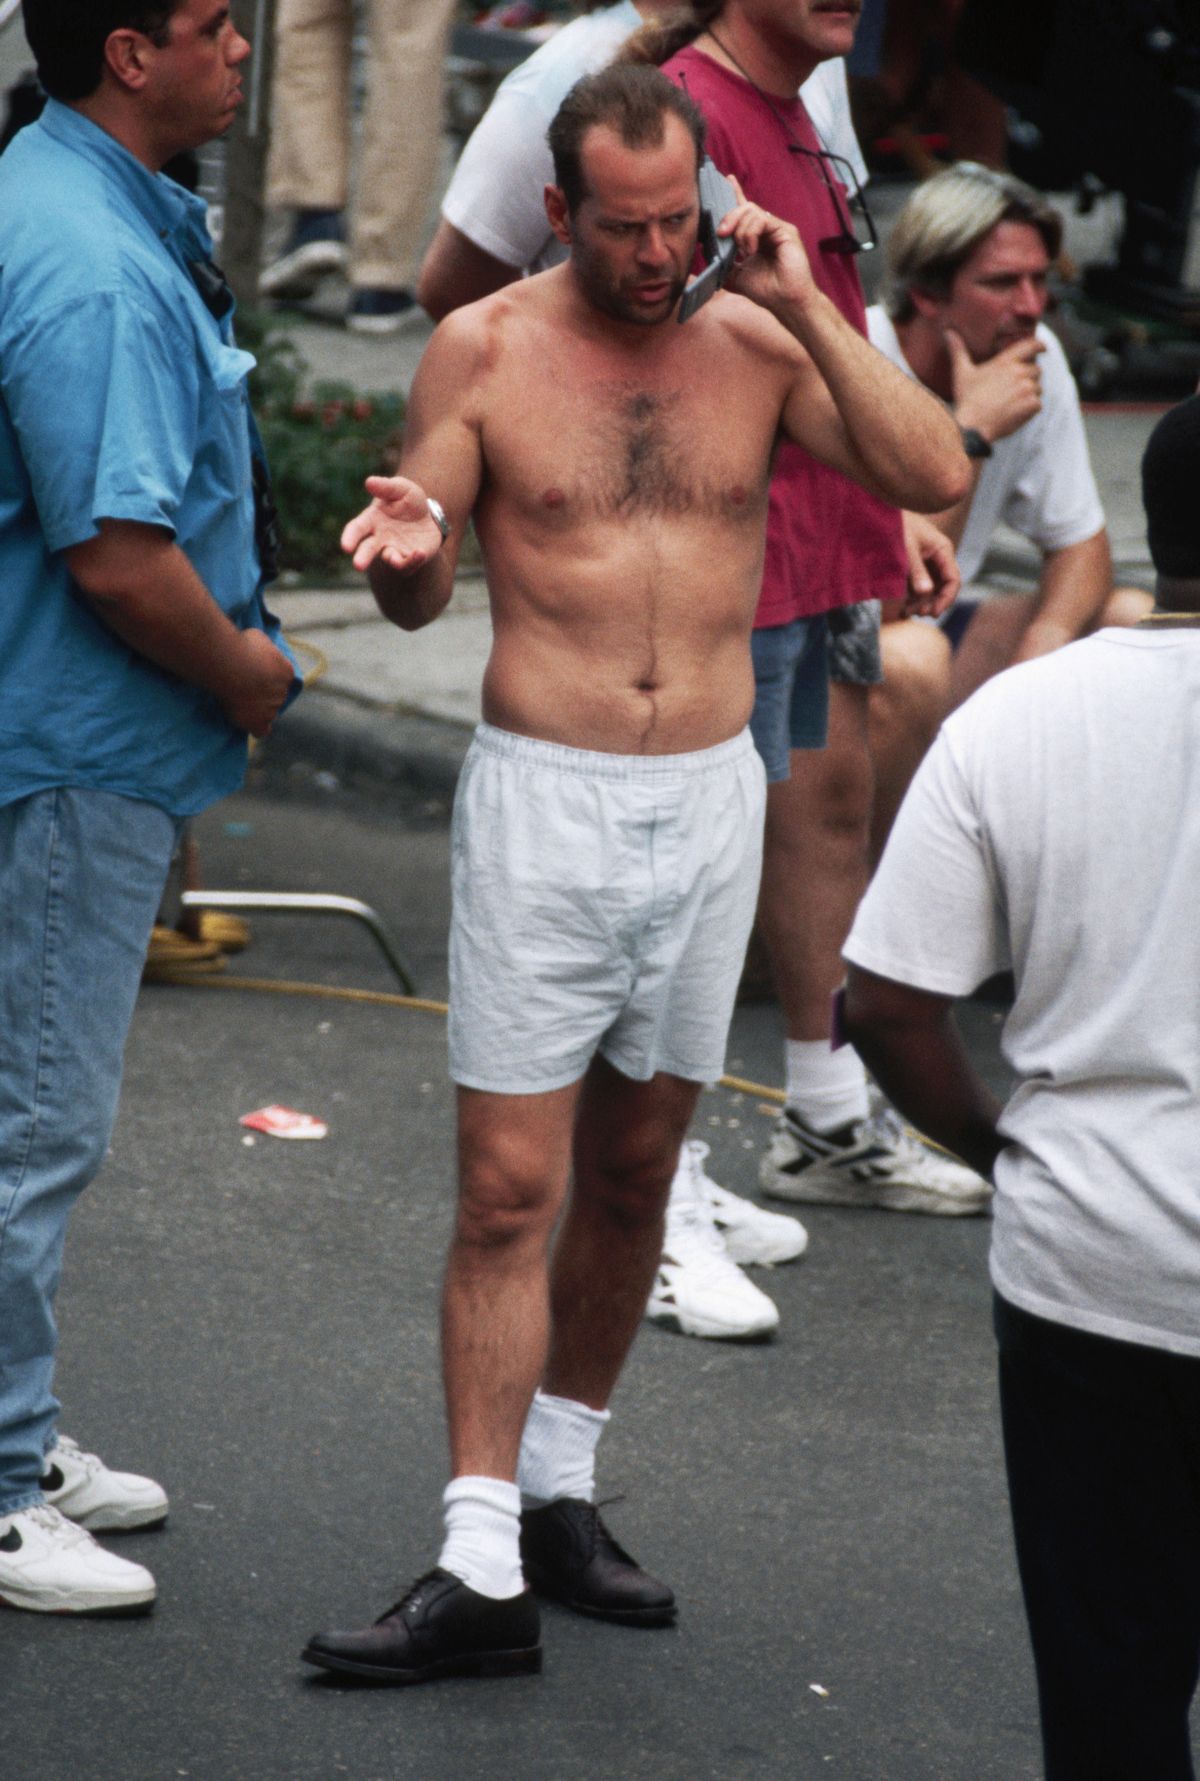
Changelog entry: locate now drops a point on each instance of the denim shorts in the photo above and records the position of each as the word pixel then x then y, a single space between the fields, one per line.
pixel 854 656
pixel 791 690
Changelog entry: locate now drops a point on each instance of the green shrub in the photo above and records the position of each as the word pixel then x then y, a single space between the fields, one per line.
pixel 321 441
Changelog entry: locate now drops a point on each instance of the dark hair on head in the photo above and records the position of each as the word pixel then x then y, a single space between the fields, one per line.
pixel 1170 478
pixel 658 40
pixel 67 38
pixel 634 102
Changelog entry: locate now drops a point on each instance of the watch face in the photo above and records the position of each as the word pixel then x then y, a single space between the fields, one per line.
pixel 974 443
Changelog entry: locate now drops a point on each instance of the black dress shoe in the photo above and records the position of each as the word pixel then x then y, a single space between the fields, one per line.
pixel 567 1553
pixel 441 1628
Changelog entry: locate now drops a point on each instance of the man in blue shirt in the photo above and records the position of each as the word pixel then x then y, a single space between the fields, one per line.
pixel 136 656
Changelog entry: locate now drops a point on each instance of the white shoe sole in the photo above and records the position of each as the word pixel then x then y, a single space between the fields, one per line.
pixel 820 1186
pixel 78 1601
pixel 669 1319
pixel 386 324
pixel 117 1521
pixel 299 273
pixel 757 1254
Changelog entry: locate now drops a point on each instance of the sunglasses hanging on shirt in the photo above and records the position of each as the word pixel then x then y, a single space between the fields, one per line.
pixel 845 241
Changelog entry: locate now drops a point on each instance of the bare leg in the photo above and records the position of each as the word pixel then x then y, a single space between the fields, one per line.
pixel 815 863
pixel 989 644
pixel 627 1138
pixel 905 711
pixel 514 1157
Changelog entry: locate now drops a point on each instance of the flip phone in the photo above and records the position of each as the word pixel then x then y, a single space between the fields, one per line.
pixel 717 199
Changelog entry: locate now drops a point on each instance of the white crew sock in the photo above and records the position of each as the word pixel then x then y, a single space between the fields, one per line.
pixel 558 1450
pixel 483 1535
pixel 827 1088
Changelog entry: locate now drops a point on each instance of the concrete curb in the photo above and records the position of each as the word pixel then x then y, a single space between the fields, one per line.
pixel 392 749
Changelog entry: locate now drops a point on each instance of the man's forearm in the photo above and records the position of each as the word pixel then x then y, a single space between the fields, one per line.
pixel 1075 583
pixel 143 588
pixel 455 271
pixel 911 1045
pixel 953 520
pixel 909 447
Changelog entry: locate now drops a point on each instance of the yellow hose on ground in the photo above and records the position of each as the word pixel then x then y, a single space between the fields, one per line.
pixel 203 977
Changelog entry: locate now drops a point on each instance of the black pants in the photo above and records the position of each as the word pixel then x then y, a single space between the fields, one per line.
pixel 1102 1444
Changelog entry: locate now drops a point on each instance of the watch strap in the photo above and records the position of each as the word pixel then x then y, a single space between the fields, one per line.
pixel 974 443
pixel 437 514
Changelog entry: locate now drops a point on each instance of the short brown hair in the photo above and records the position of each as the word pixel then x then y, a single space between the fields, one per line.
pixel 632 101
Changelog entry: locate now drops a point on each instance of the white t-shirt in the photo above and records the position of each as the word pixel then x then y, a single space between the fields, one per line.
pixel 1039 480
pixel 1055 827
pixel 495 197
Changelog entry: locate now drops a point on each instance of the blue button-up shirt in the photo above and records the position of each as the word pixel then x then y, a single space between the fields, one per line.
pixel 123 398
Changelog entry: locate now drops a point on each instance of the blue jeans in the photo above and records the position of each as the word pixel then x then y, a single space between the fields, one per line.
pixel 81 875
pixel 791 690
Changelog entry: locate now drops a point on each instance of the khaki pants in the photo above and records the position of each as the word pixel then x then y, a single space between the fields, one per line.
pixel 401 125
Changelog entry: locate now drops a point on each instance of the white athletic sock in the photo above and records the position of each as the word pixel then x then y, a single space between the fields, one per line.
pixel 827 1088
pixel 483 1535
pixel 558 1450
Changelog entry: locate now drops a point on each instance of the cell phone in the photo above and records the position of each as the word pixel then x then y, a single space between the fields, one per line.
pixel 717 199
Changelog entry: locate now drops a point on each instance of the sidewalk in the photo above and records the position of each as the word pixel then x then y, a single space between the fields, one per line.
pixel 399 707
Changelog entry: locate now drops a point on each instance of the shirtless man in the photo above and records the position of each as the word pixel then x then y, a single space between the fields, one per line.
pixel 608 825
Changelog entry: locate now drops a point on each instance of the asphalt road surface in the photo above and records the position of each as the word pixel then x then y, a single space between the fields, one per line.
pixel 255 1324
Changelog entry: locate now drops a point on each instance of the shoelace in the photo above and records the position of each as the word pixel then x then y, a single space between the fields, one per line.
pixel 409 1598
pixel 599 1527
pixel 43 1515
pixel 91 1462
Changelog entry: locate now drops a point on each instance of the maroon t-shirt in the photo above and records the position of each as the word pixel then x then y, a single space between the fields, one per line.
pixel 829 542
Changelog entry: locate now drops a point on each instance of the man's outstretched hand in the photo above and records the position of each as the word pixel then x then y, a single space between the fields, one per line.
pixel 396 529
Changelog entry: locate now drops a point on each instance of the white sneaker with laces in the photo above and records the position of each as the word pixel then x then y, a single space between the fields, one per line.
pixel 875 1161
pixel 82 1487
pixel 51 1566
pixel 698 1290
pixel 752 1236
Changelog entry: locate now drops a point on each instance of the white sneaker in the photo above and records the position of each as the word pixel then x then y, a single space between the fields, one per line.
pixel 698 1290
pixel 50 1566
pixel 82 1487
pixel 875 1161
pixel 752 1236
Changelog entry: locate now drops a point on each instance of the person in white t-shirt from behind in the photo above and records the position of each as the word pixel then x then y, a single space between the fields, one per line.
pixel 1055 828
pixel 494 229
pixel 968 259
pixel 493 225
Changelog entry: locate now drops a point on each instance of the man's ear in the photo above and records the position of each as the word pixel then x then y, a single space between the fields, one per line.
pixel 926 304
pixel 126 56
pixel 558 214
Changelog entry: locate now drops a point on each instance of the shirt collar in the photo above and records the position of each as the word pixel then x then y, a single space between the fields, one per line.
pixel 170 211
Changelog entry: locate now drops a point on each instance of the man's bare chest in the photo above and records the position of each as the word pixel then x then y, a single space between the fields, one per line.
pixel 580 447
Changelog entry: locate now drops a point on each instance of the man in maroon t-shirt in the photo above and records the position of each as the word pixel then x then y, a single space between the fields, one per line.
pixel 831 549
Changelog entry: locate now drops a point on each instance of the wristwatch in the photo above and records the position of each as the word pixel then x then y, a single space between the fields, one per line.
pixel 437 514
pixel 974 443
